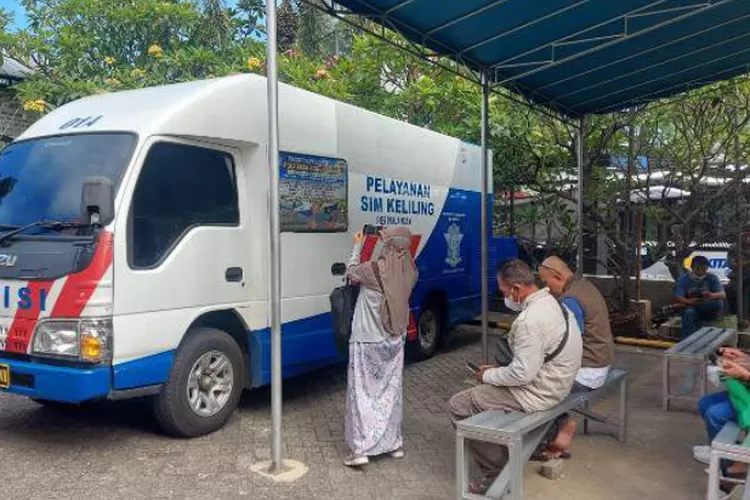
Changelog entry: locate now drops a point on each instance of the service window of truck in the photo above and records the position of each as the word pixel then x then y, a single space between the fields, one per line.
pixel 134 241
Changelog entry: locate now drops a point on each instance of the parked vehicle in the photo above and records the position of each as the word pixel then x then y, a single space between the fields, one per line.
pixel 134 241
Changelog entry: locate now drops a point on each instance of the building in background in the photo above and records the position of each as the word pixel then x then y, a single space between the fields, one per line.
pixel 13 119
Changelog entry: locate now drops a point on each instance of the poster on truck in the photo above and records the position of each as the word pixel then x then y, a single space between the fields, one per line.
pixel 312 193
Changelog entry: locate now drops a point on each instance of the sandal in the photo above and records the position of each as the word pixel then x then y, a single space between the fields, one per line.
pixel 480 486
pixel 544 456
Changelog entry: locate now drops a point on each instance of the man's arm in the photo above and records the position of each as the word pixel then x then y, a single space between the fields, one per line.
pixel 716 290
pixel 528 357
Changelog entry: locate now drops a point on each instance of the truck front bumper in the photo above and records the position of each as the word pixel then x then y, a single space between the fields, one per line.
pixel 57 383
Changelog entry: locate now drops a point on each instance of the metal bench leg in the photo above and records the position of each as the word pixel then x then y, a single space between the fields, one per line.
pixel 665 384
pixel 516 463
pixel 622 434
pixel 746 493
pixel 585 420
pixel 713 478
pixel 462 466
pixel 704 379
pixel 529 444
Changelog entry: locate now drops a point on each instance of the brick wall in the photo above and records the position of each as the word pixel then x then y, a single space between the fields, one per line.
pixel 13 119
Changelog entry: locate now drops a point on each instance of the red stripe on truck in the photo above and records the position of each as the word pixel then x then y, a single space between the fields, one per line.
pixel 75 294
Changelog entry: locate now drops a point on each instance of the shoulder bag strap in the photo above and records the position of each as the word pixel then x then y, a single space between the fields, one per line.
pixel 549 357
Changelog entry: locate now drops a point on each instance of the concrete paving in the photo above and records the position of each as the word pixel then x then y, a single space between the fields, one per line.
pixel 114 451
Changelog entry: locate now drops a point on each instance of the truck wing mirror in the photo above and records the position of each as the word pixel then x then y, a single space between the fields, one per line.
pixel 98 200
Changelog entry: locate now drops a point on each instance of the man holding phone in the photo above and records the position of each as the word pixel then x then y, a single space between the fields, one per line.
pixel 546 344
pixel 700 295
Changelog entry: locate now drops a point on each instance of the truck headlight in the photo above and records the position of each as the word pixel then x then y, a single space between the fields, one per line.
pixel 88 340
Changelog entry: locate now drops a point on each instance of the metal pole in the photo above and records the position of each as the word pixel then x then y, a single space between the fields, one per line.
pixel 513 209
pixel 579 164
pixel 740 232
pixel 639 246
pixel 274 298
pixel 485 220
pixel 629 216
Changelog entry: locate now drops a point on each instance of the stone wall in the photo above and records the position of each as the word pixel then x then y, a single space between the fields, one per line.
pixel 13 119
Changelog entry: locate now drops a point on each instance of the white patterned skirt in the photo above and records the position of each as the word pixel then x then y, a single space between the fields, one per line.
pixel 374 401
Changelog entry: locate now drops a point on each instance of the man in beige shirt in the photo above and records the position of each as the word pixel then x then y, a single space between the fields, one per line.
pixel 546 345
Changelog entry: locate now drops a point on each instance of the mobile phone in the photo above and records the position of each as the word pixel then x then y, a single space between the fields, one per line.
pixel 472 367
pixel 370 230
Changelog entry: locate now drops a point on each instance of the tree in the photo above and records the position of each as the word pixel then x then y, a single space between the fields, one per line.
pixel 218 30
pixel 287 20
pixel 247 16
pixel 83 47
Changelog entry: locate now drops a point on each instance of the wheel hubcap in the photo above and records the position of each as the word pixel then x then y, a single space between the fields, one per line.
pixel 428 329
pixel 210 384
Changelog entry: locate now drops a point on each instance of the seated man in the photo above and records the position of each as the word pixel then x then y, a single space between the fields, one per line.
pixel 700 295
pixel 546 345
pixel 592 315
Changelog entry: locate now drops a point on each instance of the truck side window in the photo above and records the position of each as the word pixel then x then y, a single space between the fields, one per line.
pixel 180 187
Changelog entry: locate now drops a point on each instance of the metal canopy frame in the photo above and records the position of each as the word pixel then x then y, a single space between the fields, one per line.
pixel 603 45
pixel 380 31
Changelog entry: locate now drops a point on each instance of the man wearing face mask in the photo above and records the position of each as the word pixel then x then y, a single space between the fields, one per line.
pixel 700 295
pixel 546 354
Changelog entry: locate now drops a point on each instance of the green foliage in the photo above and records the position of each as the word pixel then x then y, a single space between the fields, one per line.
pixel 83 47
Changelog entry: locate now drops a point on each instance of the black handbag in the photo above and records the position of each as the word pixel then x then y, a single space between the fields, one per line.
pixel 343 301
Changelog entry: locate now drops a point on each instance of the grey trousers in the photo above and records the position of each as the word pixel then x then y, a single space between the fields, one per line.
pixel 490 457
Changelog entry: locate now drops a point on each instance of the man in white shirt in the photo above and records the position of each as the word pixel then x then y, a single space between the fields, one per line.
pixel 546 345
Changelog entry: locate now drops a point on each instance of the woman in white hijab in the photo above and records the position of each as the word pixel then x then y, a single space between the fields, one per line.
pixel 374 405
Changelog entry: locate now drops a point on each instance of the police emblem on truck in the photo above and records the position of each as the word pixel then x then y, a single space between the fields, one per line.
pixel 453 239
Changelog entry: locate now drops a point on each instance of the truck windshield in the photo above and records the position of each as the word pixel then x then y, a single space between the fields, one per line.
pixel 41 179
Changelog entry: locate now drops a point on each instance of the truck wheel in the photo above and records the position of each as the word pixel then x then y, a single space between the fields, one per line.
pixel 204 386
pixel 429 331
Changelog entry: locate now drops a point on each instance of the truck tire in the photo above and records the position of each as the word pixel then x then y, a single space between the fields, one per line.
pixel 204 386
pixel 429 331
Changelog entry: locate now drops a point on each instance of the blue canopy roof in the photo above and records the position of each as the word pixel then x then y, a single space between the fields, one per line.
pixel 579 56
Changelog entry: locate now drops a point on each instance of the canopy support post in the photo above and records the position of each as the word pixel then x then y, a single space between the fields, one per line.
pixel 274 299
pixel 485 219
pixel 579 165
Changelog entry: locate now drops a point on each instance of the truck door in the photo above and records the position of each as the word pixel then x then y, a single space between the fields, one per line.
pixel 185 252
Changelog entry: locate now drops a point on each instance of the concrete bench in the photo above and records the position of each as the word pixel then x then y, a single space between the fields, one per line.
pixel 729 444
pixel 522 432
pixel 695 350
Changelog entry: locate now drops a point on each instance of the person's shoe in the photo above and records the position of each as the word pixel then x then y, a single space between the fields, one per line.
pixel 398 453
pixel 356 460
pixel 702 454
